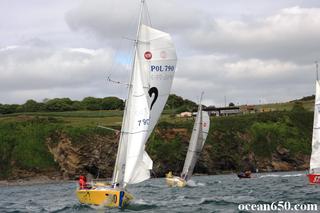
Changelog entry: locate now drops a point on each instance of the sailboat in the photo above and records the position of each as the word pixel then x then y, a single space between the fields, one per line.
pixel 198 138
pixel 153 69
pixel 314 172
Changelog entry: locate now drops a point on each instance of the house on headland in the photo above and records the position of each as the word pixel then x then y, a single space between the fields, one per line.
pixel 223 111
pixel 184 115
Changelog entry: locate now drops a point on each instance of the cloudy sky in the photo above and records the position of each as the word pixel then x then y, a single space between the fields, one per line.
pixel 248 51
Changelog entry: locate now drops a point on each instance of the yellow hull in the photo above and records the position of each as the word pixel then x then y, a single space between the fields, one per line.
pixel 175 181
pixel 106 197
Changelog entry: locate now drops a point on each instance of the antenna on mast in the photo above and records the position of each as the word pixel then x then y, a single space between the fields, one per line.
pixel 317 72
pixel 201 97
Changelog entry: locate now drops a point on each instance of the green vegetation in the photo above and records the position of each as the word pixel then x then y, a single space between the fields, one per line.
pixel 166 154
pixel 306 98
pixel 234 138
pixel 307 104
pixel 175 104
pixel 231 141
pixel 23 141
pixel 64 104
pixel 22 144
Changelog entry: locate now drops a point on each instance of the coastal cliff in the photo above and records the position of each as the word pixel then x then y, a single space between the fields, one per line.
pixel 273 141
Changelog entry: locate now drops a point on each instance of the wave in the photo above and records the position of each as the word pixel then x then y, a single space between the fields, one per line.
pixel 136 205
pixel 149 185
pixel 140 204
pixel 75 207
pixel 192 183
pixel 274 175
pixel 221 200
pixel 296 175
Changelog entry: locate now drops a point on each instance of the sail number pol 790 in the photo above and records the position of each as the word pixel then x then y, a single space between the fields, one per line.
pixel 162 68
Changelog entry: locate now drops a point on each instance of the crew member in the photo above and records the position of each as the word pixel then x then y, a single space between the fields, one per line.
pixel 82 182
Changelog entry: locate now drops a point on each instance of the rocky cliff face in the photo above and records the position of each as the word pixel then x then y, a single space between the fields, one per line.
pixel 282 160
pixel 95 155
pixel 277 141
pixel 218 157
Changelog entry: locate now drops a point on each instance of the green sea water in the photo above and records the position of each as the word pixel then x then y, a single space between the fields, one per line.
pixel 218 193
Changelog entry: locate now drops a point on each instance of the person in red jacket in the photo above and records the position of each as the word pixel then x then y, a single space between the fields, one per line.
pixel 82 182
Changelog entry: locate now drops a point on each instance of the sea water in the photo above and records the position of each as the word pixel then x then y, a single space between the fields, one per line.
pixel 218 193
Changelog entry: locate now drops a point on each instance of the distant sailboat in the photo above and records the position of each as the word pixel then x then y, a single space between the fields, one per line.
pixel 198 138
pixel 154 65
pixel 314 175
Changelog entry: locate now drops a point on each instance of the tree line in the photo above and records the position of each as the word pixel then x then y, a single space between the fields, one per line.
pixel 64 104
pixel 176 103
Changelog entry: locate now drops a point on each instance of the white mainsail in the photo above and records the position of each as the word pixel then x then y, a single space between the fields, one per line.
pixel 198 138
pixel 151 80
pixel 315 155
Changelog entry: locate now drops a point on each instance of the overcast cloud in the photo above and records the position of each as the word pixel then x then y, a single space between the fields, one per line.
pixel 249 51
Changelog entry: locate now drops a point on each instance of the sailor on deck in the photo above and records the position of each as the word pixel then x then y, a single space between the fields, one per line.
pixel 169 175
pixel 82 182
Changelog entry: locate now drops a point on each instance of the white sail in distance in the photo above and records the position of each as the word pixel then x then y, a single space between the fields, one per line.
pixel 198 138
pixel 315 155
pixel 153 71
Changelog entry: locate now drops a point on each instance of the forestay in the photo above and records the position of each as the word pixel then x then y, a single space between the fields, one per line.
pixel 151 80
pixel 198 137
pixel 315 155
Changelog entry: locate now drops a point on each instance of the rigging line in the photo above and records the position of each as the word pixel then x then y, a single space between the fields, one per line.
pixel 115 176
pixel 317 72
pixel 116 82
pixel 154 173
pixel 194 151
pixel 120 52
pixel 128 38
pixel 117 50
pixel 127 60
pixel 132 133
pixel 104 127
pixel 148 14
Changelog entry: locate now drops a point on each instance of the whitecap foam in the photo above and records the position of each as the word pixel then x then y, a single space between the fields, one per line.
pixel 295 175
pixel 263 176
pixel 139 202
pixel 192 183
pixel 201 184
pixel 274 175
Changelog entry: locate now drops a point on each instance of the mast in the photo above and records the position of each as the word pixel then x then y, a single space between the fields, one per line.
pixel 200 106
pixel 124 125
pixel 201 97
pixel 315 154
pixel 193 149
pixel 317 73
